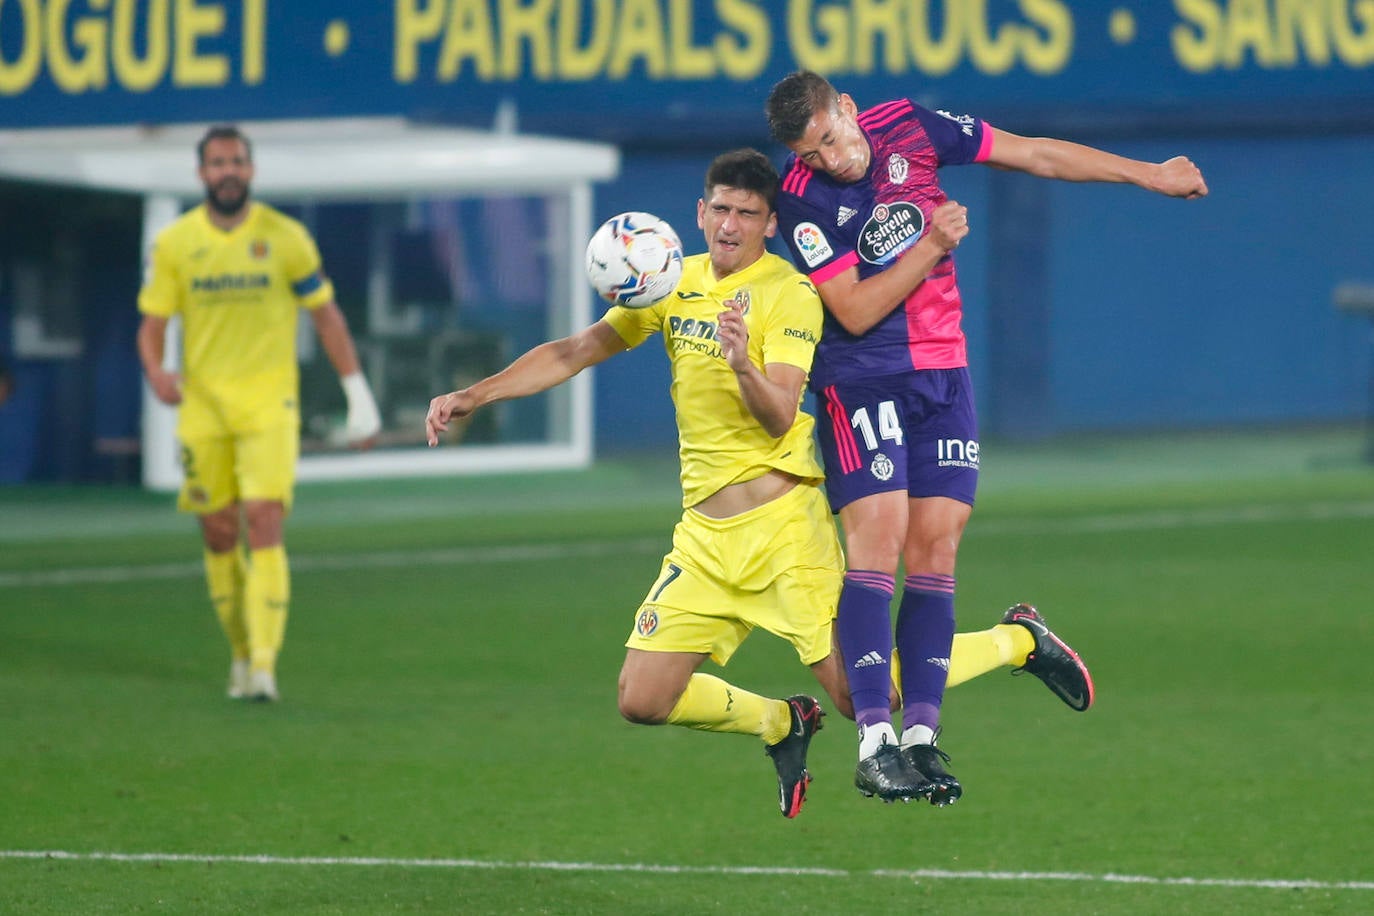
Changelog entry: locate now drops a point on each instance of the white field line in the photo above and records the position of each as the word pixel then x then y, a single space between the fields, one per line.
pixel 454 556
pixel 914 874
pixel 520 553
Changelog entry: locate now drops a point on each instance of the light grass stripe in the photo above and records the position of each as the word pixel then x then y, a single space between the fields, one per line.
pixel 929 874
pixel 520 553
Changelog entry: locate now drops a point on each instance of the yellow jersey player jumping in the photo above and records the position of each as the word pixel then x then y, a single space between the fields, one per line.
pixel 237 272
pixel 757 546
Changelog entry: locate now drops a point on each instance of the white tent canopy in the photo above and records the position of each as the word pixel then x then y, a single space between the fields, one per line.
pixel 351 159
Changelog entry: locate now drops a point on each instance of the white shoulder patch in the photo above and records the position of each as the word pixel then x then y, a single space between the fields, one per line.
pixel 812 243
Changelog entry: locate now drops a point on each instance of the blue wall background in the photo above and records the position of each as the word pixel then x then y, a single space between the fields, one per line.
pixel 1162 314
pixel 1088 308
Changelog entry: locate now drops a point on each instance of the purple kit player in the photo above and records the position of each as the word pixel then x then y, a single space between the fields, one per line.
pixel 865 218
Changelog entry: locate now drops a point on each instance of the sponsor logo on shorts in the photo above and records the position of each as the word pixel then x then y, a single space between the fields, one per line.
pixel 957 453
pixel 881 468
pixel 647 622
pixel 812 244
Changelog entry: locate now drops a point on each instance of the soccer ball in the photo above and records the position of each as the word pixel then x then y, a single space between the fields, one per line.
pixel 634 259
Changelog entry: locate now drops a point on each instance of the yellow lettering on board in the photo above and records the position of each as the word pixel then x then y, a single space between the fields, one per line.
pixel 1050 53
pixel 19 74
pixel 83 71
pixel 641 38
pixel 468 36
pixel 130 71
pixel 583 62
pixel 824 49
pixel 521 23
pixel 254 41
pixel 414 24
pixel 874 20
pixel 190 68
pixel 744 54
pixel 689 61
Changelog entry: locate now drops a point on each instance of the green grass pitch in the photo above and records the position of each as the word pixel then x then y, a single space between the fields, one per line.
pixel 449 743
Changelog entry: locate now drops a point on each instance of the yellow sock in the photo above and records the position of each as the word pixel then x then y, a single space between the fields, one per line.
pixel 224 578
pixel 267 595
pixel 712 705
pixel 987 650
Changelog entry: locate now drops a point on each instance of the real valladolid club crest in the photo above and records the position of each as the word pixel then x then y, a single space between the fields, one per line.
pixel 896 169
pixel 881 468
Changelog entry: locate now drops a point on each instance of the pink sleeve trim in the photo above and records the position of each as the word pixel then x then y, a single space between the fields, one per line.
pixel 985 149
pixel 834 268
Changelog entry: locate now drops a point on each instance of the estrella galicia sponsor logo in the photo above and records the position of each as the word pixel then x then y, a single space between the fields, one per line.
pixel 224 283
pixel 800 334
pixel 881 468
pixel 647 622
pixel 957 453
pixel 892 229
pixel 812 243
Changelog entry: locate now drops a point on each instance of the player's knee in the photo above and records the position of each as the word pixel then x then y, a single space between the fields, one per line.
pixel 641 708
pixel 266 520
pixel 221 529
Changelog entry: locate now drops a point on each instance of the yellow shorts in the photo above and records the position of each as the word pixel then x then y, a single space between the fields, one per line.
pixel 221 470
pixel 777 567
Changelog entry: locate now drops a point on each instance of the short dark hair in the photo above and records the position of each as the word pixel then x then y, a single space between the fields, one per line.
pixel 794 101
pixel 222 132
pixel 748 170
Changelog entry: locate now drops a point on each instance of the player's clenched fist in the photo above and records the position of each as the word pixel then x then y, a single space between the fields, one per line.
pixel 949 224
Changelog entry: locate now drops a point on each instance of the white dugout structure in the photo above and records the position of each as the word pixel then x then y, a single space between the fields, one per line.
pixel 384 160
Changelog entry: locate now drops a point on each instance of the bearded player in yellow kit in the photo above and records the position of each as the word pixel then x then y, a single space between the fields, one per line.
pixel 756 546
pixel 237 272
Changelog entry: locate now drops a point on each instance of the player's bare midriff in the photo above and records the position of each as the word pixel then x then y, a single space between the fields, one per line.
pixel 747 494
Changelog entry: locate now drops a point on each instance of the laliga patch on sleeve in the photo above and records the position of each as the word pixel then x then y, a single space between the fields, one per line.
pixel 812 244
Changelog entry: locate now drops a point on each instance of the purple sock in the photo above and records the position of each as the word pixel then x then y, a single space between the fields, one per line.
pixel 925 633
pixel 865 636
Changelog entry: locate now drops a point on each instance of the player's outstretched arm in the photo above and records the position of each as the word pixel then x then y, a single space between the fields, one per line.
pixel 544 367
pixel 1046 157
pixel 364 420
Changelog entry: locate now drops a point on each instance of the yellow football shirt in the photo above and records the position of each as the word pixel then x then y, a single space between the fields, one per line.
pixel 238 294
pixel 720 442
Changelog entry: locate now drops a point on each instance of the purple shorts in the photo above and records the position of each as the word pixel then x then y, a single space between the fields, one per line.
pixel 915 432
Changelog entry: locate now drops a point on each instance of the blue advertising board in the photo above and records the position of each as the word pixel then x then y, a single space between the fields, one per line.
pixel 624 69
